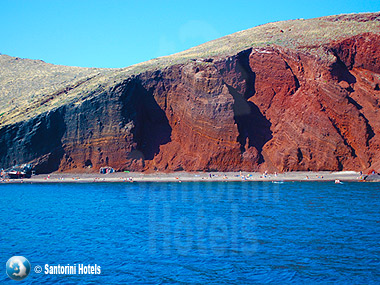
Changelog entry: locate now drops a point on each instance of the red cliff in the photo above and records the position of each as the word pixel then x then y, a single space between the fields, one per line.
pixel 272 107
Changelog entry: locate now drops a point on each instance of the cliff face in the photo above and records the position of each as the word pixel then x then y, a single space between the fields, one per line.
pixel 268 108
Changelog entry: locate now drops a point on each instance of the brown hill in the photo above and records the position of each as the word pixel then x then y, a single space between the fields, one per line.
pixel 294 95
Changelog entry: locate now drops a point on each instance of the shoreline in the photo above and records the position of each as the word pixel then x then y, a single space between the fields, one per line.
pixel 342 176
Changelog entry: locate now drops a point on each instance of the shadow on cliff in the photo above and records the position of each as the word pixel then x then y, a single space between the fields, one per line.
pixel 151 126
pixel 253 126
pixel 46 142
pixel 37 141
pixel 341 72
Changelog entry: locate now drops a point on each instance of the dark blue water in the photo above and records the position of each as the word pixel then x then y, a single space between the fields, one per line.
pixel 254 232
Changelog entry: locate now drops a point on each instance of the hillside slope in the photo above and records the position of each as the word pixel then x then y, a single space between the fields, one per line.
pixel 293 95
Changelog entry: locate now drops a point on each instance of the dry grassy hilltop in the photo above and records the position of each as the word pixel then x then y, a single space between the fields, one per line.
pixel 291 95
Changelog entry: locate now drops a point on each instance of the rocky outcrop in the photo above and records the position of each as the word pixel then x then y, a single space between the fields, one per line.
pixel 270 108
pixel 37 141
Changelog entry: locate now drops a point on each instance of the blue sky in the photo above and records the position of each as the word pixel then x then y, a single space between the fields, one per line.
pixel 116 33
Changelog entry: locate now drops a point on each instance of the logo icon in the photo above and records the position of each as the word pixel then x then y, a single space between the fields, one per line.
pixel 18 268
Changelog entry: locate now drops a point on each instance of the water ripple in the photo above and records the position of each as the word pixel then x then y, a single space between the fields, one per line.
pixel 154 233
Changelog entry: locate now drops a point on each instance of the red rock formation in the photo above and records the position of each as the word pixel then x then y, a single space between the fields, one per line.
pixel 269 108
pixel 277 109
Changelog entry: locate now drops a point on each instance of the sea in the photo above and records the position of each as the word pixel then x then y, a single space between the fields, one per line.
pixel 193 232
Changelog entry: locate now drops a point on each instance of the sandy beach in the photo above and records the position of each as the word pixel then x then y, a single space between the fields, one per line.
pixel 189 177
